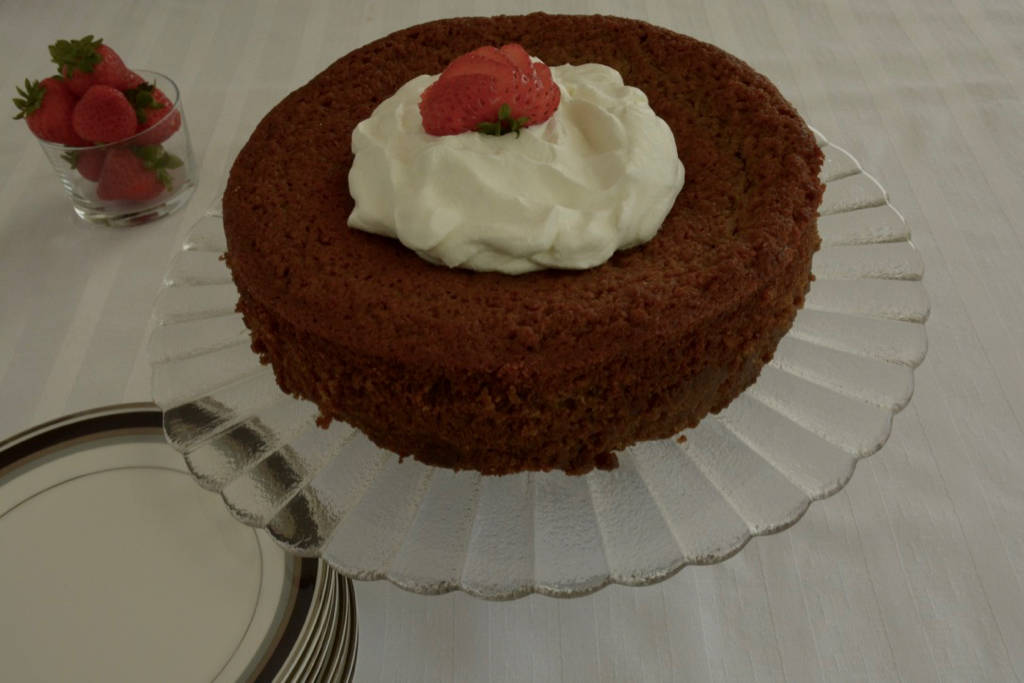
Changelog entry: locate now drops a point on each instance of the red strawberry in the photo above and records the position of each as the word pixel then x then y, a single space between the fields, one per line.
pixel 87 62
pixel 125 177
pixel 153 107
pixel 104 115
pixel 518 56
pixel 89 163
pixel 487 51
pixel 47 106
pixel 134 80
pixel 491 90
pixel 458 104
pixel 486 60
pixel 136 173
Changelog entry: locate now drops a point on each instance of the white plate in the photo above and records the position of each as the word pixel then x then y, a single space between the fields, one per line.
pixel 116 566
pixel 824 402
pixel 300 663
pixel 343 659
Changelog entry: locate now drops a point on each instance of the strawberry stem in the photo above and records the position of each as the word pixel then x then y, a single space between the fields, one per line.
pixel 30 100
pixel 142 99
pixel 505 123
pixel 76 55
pixel 155 158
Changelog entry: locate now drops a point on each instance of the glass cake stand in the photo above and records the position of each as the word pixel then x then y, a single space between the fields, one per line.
pixel 825 401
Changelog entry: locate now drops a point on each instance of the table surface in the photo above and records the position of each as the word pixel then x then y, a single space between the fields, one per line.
pixel 912 572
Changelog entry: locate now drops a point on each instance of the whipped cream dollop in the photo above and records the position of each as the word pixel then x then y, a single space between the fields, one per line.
pixel 598 176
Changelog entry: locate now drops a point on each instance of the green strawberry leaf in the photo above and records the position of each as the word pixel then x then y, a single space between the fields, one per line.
pixel 155 158
pixel 489 128
pixel 505 123
pixel 76 55
pixel 30 100
pixel 142 99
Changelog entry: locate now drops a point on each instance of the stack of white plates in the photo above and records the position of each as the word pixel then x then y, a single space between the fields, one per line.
pixel 116 566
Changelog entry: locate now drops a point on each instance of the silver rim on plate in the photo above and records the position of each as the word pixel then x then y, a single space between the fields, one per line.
pixel 103 525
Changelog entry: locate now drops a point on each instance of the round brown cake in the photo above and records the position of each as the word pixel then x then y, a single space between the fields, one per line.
pixel 550 370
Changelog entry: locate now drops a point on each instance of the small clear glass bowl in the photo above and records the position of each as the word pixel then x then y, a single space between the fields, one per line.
pixel 70 163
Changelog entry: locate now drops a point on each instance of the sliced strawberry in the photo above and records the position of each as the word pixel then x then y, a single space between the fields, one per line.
pixel 87 62
pixel 481 60
pixel 519 57
pixel 47 106
pixel 104 115
pixel 544 74
pixel 488 51
pixel 459 103
pixel 533 99
pixel 471 91
pixel 472 63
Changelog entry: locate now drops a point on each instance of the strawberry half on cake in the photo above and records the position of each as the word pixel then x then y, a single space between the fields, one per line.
pixel 490 90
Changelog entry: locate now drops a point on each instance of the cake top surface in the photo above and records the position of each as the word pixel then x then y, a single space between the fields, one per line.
pixel 752 188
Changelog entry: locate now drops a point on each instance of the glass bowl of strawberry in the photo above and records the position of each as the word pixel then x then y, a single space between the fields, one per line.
pixel 116 138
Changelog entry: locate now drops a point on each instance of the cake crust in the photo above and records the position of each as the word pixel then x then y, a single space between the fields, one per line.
pixel 546 370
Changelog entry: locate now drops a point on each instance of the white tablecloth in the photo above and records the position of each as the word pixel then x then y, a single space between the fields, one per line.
pixel 912 572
